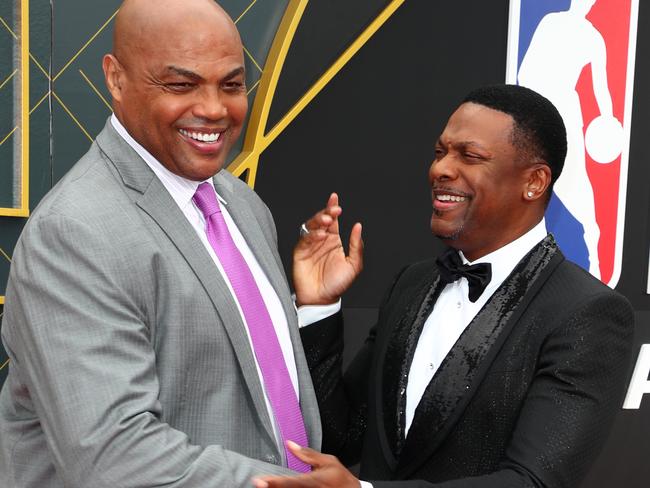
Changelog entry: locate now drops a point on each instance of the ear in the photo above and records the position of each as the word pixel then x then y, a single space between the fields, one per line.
pixel 113 74
pixel 539 179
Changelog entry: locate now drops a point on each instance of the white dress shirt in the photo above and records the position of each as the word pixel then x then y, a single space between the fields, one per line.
pixel 182 190
pixel 453 312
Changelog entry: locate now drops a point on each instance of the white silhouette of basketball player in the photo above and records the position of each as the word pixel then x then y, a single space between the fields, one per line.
pixel 562 45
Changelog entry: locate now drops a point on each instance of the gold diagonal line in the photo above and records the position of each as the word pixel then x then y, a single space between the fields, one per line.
pixel 72 116
pixel 256 140
pixel 253 87
pixel 349 53
pixel 248 158
pixel 39 102
pixel 7 136
pixel 5 254
pixel 85 45
pixel 244 12
pixel 47 75
pixel 95 90
pixel 252 59
pixel 8 28
pixel 3 366
pixel 8 78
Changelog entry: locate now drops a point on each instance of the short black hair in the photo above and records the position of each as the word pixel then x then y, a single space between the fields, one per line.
pixel 538 126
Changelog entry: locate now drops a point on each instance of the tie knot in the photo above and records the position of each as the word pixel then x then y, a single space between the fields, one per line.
pixel 205 199
pixel 452 268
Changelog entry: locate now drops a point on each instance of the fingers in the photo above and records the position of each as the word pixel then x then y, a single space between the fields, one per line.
pixel 328 472
pixel 334 210
pixel 324 222
pixel 333 200
pixel 355 253
pixel 306 454
pixel 283 482
pixel 300 481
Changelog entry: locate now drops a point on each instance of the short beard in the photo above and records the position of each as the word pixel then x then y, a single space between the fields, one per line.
pixel 454 236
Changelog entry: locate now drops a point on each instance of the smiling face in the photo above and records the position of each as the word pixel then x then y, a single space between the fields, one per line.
pixel 178 85
pixel 479 185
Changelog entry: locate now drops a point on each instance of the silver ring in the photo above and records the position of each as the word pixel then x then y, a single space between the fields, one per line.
pixel 303 230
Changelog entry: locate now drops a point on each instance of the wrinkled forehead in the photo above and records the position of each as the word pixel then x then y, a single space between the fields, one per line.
pixel 200 49
pixel 474 122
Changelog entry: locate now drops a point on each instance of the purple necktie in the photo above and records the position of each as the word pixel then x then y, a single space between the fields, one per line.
pixel 270 359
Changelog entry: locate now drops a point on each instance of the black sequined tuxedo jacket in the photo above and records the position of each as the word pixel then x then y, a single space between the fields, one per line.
pixel 525 398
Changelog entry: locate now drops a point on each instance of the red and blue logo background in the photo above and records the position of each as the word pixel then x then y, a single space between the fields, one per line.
pixel 614 19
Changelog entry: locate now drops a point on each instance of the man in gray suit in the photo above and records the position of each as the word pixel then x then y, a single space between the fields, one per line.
pixel 135 358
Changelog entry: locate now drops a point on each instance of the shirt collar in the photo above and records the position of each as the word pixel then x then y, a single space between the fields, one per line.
pixel 181 189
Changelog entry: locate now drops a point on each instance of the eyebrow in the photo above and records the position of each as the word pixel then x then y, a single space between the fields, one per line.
pixel 185 72
pixel 467 143
pixel 195 76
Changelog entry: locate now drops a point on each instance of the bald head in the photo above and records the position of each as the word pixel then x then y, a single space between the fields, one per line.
pixel 177 79
pixel 143 24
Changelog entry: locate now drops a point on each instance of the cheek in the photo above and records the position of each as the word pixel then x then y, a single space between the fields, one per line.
pixel 168 110
pixel 237 108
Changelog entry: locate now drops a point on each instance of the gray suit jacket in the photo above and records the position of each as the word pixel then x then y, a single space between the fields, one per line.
pixel 130 365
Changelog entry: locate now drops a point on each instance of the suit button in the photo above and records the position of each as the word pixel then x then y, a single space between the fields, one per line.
pixel 270 458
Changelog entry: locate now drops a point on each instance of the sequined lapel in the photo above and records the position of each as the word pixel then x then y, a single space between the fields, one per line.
pixel 463 369
pixel 399 354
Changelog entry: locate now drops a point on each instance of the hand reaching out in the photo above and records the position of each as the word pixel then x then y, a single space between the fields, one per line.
pixel 327 472
pixel 321 269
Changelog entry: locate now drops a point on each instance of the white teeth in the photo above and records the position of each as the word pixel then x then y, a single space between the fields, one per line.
pixel 450 198
pixel 201 136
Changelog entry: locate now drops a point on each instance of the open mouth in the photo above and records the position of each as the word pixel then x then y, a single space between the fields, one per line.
pixel 447 200
pixel 207 137
pixel 450 198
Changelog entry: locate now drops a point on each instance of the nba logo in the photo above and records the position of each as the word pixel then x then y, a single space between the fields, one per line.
pixel 580 55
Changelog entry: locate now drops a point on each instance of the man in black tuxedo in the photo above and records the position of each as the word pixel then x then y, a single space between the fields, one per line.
pixel 500 364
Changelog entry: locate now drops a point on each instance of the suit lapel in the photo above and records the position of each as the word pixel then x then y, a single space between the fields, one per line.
pixel 397 356
pixel 463 369
pixel 153 198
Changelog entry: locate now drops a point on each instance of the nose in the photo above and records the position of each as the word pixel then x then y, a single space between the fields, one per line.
pixel 443 168
pixel 209 104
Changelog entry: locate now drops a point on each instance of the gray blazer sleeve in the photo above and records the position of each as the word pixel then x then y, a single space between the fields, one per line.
pixel 80 343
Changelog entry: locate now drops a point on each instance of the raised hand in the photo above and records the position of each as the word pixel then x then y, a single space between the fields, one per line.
pixel 321 269
pixel 327 472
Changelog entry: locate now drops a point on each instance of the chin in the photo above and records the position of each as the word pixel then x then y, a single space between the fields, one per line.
pixel 447 234
pixel 203 172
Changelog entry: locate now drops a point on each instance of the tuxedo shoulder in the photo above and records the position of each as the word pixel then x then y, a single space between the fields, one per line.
pixel 580 283
pixel 571 291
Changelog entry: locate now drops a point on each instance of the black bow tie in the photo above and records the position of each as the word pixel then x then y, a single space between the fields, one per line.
pixel 452 268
